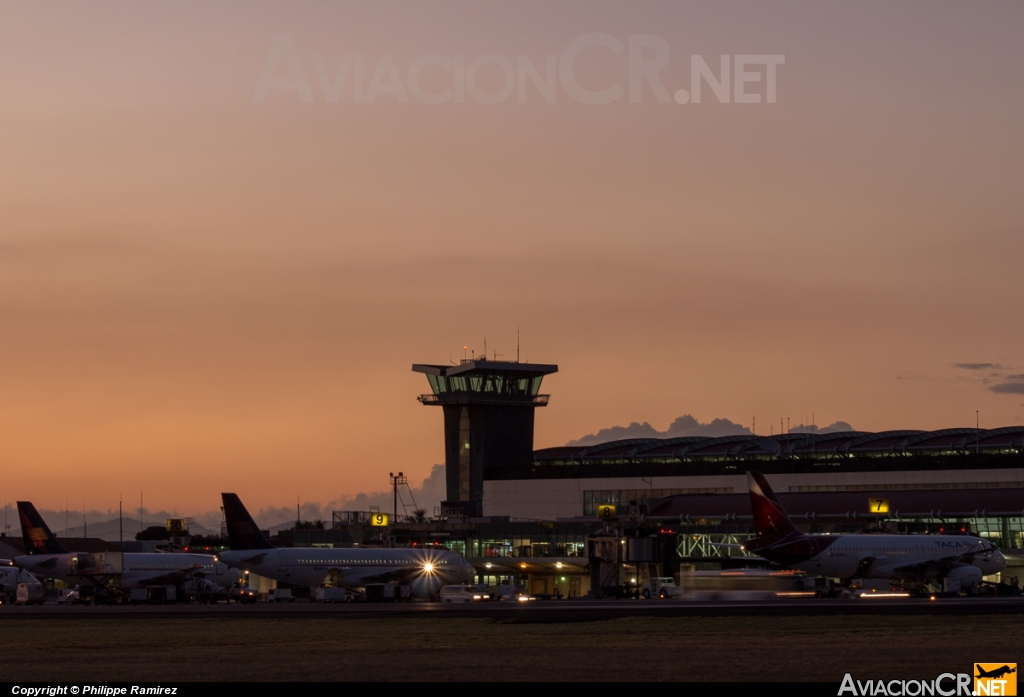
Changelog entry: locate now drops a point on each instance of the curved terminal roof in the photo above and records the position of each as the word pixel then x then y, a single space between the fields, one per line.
pixel 792 445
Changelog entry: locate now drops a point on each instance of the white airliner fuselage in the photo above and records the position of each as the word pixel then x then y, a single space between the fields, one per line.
pixel 353 567
pixel 895 556
pixel 140 569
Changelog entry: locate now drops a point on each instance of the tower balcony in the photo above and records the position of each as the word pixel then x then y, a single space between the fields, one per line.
pixel 540 400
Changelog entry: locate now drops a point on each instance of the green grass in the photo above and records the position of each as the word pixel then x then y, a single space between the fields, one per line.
pixel 749 648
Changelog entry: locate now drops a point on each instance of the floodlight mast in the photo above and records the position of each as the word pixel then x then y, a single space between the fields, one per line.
pixel 396 481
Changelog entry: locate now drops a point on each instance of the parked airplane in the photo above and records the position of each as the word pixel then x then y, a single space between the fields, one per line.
pixel 44 556
pixel 913 557
pixel 349 567
pixel 11 576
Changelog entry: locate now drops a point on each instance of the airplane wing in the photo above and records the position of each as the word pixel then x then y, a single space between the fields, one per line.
pixel 940 564
pixel 397 576
pixel 256 559
pixel 727 545
pixel 170 576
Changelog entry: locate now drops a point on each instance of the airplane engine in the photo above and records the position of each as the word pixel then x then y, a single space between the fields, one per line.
pixel 970 576
pixel 224 575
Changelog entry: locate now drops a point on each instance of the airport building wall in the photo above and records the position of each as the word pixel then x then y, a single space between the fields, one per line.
pixel 550 499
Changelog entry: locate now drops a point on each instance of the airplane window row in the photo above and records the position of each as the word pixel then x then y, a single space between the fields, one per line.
pixel 142 567
pixel 368 561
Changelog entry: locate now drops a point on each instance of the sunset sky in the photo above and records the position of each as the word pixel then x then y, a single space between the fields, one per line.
pixel 207 288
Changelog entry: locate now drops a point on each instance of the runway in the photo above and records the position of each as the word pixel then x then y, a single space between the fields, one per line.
pixel 537 611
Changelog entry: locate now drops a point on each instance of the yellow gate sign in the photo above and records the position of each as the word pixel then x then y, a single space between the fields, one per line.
pixel 379 520
pixel 606 511
pixel 878 505
pixel 175 525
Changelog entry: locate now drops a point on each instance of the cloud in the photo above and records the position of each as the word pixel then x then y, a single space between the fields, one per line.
pixel 689 426
pixel 105 524
pixel 837 427
pixel 682 426
pixel 1012 384
pixel 911 375
pixel 427 496
pixel 978 366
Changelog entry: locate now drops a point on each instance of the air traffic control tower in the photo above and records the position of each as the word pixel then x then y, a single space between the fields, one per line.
pixel 488 422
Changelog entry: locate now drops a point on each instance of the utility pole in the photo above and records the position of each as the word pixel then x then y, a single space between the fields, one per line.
pixel 120 519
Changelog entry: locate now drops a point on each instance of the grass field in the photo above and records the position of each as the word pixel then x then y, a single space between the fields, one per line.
pixel 750 648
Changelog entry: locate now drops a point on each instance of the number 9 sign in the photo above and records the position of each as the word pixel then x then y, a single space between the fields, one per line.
pixel 379 520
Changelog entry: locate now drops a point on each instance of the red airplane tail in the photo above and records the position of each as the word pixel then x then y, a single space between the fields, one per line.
pixel 769 516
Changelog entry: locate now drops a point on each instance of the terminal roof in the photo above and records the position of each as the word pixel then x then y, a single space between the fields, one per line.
pixel 846 443
pixel 466 367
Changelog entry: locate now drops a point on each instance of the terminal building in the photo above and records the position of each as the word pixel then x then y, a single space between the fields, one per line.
pixel 532 515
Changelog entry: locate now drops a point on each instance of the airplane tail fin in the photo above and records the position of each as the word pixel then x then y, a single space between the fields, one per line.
pixel 769 516
pixel 38 538
pixel 243 533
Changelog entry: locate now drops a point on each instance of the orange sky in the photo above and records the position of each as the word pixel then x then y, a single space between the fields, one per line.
pixel 199 292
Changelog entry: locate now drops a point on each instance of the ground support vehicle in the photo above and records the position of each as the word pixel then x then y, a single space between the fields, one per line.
pixel 68 596
pixel 464 594
pixel 243 594
pixel 661 587
pixel 386 593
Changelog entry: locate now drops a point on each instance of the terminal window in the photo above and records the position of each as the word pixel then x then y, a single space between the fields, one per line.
pixel 621 497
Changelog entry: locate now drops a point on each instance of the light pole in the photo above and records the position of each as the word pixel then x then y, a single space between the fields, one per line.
pixel 396 481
